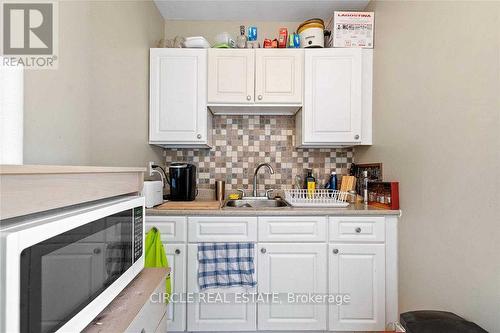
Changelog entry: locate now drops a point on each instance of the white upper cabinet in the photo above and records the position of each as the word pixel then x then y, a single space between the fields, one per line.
pixel 331 88
pixel 278 76
pixel 337 98
pixel 231 76
pixel 261 81
pixel 178 98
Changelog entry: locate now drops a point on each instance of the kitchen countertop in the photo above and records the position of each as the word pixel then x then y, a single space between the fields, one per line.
pixel 29 189
pixel 353 210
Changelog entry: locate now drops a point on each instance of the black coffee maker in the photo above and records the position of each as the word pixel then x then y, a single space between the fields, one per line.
pixel 182 180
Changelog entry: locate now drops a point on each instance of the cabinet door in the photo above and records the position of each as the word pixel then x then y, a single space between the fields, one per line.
pixel 217 316
pixel 178 96
pixel 332 98
pixel 176 311
pixel 358 270
pixel 231 76
pixel 278 76
pixel 292 268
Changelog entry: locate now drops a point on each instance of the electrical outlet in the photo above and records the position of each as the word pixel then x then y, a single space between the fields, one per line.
pixel 150 168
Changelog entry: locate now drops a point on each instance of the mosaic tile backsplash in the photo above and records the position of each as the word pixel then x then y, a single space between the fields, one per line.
pixel 240 143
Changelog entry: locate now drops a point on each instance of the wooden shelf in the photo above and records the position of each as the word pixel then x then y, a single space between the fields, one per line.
pixel 125 308
pixel 28 189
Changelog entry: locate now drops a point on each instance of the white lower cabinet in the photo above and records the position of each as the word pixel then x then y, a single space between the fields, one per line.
pixel 292 268
pixel 176 311
pixel 294 255
pixel 216 316
pixel 357 270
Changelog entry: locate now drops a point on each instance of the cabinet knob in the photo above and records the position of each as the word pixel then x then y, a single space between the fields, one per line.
pixel 260 97
pixel 335 251
pixel 358 230
pixel 263 250
pixel 249 97
pixel 356 137
pixel 199 136
pixel 177 251
pixel 97 250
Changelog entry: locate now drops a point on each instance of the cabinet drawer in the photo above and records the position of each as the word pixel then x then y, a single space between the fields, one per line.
pixel 222 229
pixel 292 228
pixel 371 229
pixel 172 228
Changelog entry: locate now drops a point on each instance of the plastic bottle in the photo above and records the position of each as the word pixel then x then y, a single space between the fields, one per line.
pixel 332 182
pixel 241 41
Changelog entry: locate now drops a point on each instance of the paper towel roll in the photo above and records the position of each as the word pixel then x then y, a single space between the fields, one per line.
pixel 11 114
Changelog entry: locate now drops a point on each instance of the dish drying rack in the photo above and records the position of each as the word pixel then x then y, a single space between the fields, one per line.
pixel 317 198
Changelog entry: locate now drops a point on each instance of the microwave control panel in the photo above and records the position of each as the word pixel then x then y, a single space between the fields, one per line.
pixel 138 232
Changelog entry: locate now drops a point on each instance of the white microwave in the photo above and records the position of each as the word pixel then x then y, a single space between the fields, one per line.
pixel 60 269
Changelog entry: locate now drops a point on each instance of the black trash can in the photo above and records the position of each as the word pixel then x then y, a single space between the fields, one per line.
pixel 427 321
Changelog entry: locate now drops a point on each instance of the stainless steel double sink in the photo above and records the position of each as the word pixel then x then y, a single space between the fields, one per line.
pixel 256 203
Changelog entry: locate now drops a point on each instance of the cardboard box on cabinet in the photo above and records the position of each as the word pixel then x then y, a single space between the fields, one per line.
pixel 352 29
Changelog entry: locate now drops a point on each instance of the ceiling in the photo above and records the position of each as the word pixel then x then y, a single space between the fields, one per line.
pixel 258 10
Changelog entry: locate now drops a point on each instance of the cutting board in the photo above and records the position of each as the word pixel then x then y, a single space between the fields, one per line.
pixel 348 183
pixel 182 205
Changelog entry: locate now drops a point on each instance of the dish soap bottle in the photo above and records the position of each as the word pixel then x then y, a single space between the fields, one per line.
pixel 310 184
pixel 332 182
pixel 241 41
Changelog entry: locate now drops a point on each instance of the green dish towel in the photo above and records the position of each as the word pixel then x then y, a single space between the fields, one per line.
pixel 155 257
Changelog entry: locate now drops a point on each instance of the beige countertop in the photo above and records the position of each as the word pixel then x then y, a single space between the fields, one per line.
pixel 352 210
pixel 11 169
pixel 29 189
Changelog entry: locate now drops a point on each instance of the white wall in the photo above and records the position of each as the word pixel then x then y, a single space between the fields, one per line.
pixel 437 131
pixel 57 102
pixel 93 110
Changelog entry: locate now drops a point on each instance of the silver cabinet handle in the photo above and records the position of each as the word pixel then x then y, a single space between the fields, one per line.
pixel 177 251
pixel 263 250
pixel 199 136
pixel 356 137
pixel 260 97
pixel 335 251
pixel 97 250
pixel 249 97
pixel 358 230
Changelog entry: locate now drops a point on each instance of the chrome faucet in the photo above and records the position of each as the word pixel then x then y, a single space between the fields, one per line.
pixel 271 171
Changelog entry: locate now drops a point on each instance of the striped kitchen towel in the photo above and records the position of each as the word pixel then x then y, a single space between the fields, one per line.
pixel 225 265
